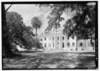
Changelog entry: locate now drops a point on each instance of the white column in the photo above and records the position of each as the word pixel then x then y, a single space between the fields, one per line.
pixel 59 42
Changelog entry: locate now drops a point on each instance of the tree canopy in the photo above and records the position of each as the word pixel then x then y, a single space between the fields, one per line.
pixel 19 33
pixel 82 24
pixel 36 23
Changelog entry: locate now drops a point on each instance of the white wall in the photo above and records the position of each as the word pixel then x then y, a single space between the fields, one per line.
pixel 49 40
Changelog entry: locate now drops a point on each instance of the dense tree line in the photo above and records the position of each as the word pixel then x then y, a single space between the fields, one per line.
pixel 15 32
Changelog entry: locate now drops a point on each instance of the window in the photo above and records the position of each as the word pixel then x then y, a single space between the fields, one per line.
pixel 73 44
pixel 63 45
pixel 45 38
pixel 53 44
pixel 93 45
pixel 68 44
pixel 58 38
pixel 81 44
pixel 58 44
pixel 45 45
pixel 63 38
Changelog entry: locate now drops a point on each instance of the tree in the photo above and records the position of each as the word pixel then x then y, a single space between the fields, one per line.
pixel 15 25
pixel 83 23
pixel 56 13
pixel 19 33
pixel 5 36
pixel 29 30
pixel 36 23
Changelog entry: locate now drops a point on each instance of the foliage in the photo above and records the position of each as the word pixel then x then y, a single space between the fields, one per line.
pixel 56 13
pixel 6 44
pixel 36 23
pixel 19 33
pixel 15 25
pixel 31 42
pixel 82 24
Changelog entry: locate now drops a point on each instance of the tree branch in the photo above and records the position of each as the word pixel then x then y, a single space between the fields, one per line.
pixel 8 8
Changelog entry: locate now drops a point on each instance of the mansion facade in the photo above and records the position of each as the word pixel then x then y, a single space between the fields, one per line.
pixel 56 40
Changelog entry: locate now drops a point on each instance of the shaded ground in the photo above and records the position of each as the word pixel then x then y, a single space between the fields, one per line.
pixel 39 60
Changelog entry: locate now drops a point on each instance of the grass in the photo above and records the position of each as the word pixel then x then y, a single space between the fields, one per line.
pixel 40 60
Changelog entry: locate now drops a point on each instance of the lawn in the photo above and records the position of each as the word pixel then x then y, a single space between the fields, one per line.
pixel 62 60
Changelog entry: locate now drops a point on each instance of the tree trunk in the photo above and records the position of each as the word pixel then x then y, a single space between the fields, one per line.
pixel 85 44
pixel 6 47
pixel 92 42
pixel 36 32
pixel 76 45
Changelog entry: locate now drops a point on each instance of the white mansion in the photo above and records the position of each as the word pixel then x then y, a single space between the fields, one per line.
pixel 56 40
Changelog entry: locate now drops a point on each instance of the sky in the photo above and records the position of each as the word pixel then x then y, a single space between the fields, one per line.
pixel 28 11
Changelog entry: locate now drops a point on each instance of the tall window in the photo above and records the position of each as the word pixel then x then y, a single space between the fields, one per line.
pixel 63 45
pixel 58 38
pixel 45 45
pixel 81 44
pixel 93 46
pixel 62 38
pixel 45 38
pixel 58 44
pixel 53 44
pixel 73 44
pixel 68 44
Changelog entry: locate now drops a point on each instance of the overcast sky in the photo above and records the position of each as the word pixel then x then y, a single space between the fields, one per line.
pixel 28 11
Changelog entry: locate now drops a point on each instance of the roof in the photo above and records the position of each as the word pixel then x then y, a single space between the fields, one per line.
pixel 52 33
